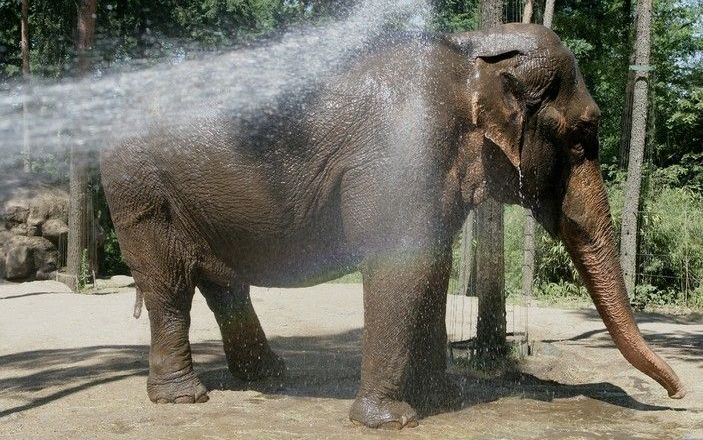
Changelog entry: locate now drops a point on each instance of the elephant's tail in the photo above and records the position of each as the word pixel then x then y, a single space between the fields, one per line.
pixel 138 302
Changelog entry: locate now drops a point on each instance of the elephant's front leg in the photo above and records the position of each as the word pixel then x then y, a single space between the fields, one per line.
pixel 428 386
pixel 404 339
pixel 249 355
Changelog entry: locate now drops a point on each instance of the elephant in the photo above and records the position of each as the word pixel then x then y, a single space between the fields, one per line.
pixel 374 168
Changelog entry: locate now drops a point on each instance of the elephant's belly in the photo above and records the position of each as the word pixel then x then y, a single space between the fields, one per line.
pixel 280 263
pixel 278 257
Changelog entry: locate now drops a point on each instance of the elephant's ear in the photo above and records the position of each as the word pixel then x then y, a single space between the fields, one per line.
pixel 501 110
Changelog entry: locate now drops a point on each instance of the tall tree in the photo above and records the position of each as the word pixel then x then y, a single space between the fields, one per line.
pixel 490 262
pixel 626 116
pixel 80 234
pixel 628 236
pixel 24 49
pixel 548 13
pixel 527 12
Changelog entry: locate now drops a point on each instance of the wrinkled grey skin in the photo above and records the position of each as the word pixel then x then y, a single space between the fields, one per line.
pixel 375 168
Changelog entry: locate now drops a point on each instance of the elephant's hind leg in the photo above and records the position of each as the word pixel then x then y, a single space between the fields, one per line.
pixel 163 270
pixel 171 376
pixel 249 355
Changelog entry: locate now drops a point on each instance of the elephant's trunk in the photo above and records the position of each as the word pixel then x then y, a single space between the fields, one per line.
pixel 587 231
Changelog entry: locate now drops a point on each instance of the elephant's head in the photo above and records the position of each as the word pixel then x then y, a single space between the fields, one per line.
pixel 536 126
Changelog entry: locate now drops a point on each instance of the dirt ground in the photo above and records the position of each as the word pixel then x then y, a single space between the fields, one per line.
pixel 74 366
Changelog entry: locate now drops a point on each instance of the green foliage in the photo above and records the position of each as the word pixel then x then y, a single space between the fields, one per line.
pixel 514 223
pixel 144 31
pixel 456 15
pixel 555 275
pixel 84 276
pixel 598 32
pixel 677 55
pixel 671 240
pixel 112 262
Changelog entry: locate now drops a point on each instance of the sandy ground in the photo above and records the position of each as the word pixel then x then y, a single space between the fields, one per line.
pixel 74 366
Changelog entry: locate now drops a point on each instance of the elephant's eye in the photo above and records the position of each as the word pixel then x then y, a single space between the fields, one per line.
pixel 577 148
pixel 551 123
pixel 583 142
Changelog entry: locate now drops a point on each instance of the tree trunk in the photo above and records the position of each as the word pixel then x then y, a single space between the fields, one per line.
pixel 548 13
pixel 628 237
pixel 490 13
pixel 527 12
pixel 490 280
pixel 86 33
pixel 626 117
pixel 80 233
pixel 24 48
pixel 491 324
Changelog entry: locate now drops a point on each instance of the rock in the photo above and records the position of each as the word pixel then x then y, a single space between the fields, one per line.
pixel 4 236
pixel 115 282
pixel 548 349
pixel 48 205
pixel 28 211
pixel 29 258
pixel 55 230
pixel 18 263
pixel 121 281
pixel 15 212
pixel 20 229
pixel 33 221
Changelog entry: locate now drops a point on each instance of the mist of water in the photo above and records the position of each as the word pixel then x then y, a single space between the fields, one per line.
pixel 96 112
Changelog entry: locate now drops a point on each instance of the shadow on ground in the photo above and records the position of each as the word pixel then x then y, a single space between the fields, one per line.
pixel 24 295
pixel 319 366
pixel 683 344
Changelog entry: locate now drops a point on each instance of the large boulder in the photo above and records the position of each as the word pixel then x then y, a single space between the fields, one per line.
pixel 26 258
pixel 4 236
pixel 55 230
pixel 19 263
pixel 33 225
pixel 41 212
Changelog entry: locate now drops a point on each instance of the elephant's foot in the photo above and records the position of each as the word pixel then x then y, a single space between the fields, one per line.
pixel 436 393
pixel 257 367
pixel 383 413
pixel 183 388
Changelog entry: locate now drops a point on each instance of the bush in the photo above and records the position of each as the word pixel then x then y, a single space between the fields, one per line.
pixel 671 241
pixel 112 262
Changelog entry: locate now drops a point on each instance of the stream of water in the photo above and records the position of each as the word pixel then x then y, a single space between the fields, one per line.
pixel 103 108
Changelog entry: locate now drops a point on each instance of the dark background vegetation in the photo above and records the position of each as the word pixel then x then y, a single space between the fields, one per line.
pixel 134 33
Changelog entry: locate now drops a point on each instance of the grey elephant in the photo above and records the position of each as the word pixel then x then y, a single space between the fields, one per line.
pixel 375 168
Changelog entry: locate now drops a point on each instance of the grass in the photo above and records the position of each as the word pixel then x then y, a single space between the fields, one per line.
pixel 352 278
